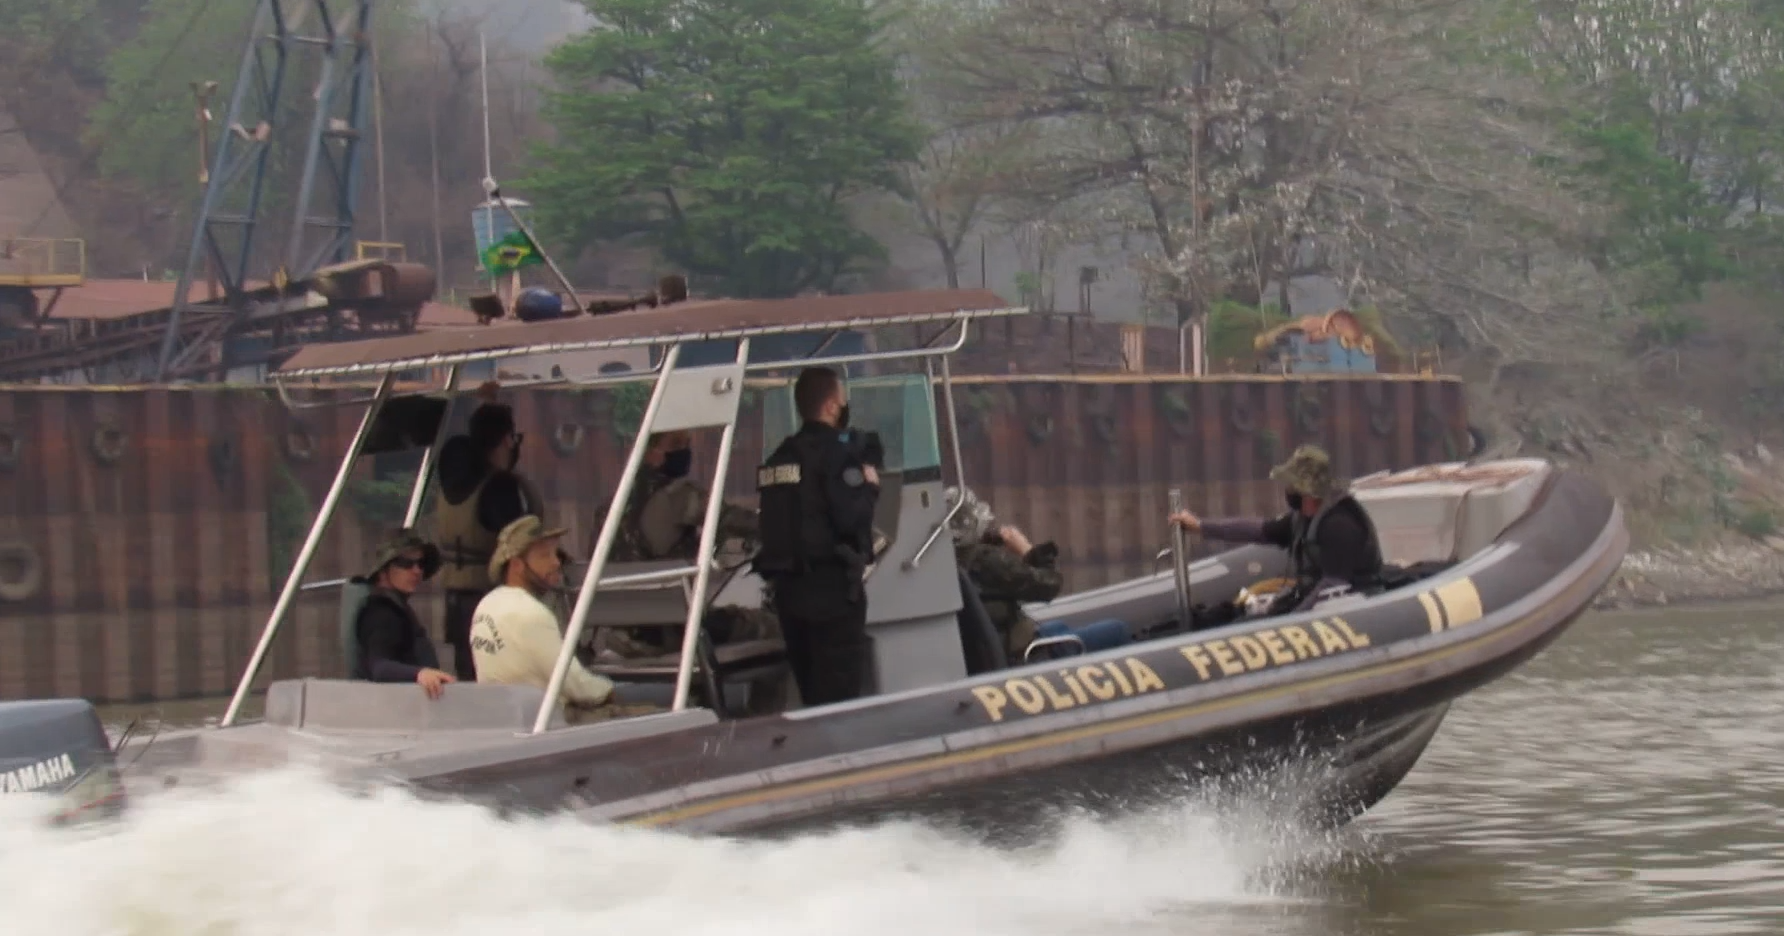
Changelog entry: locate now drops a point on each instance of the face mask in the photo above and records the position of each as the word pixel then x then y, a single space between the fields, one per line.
pixel 1294 501
pixel 842 417
pixel 677 463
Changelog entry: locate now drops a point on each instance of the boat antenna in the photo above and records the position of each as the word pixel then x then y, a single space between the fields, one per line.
pixel 489 174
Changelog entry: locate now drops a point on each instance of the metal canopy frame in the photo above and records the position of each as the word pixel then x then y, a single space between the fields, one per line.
pixel 532 348
pixel 681 398
pixel 341 34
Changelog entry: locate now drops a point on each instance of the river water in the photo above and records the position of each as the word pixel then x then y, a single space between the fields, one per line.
pixel 1630 780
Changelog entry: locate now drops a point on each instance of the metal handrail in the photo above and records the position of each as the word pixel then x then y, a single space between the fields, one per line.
pixel 560 670
pixel 1180 550
pixel 1028 652
pixel 959 317
pixel 302 563
pixel 959 464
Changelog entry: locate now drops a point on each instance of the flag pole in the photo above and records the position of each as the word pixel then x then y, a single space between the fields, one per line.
pixel 494 193
pixel 489 176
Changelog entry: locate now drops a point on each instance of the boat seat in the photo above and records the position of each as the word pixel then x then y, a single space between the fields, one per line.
pixel 666 605
pixel 352 705
pixel 1447 513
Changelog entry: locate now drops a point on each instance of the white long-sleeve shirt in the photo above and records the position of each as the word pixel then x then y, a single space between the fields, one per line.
pixel 515 641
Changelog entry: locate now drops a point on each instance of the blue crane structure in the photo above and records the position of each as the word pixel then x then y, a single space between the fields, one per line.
pixel 230 213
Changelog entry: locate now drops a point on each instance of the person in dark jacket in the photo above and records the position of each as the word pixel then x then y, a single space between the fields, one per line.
pixel 480 494
pixel 817 495
pixel 1330 539
pixel 393 646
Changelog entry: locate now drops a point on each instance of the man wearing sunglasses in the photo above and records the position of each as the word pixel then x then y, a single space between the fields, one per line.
pixel 393 646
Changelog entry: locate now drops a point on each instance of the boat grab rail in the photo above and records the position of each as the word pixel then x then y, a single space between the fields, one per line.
pixel 595 381
pixel 1028 652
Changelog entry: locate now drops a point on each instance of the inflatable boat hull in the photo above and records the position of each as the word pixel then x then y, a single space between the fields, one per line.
pixel 1346 699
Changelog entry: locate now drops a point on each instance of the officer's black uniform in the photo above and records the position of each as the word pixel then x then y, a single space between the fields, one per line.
pixel 817 509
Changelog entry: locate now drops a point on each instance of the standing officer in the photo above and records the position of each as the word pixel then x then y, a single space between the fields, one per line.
pixel 818 493
pixel 480 494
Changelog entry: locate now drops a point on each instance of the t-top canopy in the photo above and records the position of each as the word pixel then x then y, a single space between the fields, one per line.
pixel 694 320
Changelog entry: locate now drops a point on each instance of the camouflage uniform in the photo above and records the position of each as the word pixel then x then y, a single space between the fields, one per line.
pixel 662 521
pixel 1005 580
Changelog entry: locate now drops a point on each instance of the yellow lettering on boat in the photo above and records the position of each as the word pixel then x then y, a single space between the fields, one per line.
pixel 1056 700
pixel 1216 658
pixel 1329 638
pixel 1279 652
pixel 1096 682
pixel 1251 653
pixel 1198 658
pixel 1083 685
pixel 1026 696
pixel 993 699
pixel 1071 682
pixel 1357 641
pixel 1145 680
pixel 1271 647
pixel 1304 646
pixel 1223 655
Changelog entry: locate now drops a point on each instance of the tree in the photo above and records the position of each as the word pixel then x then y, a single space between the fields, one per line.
pixel 1677 110
pixel 728 135
pixel 1253 141
pixel 958 174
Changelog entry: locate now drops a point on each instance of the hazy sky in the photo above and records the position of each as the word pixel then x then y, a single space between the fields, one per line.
pixel 530 26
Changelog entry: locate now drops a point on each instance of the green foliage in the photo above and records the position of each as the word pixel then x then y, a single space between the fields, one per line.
pixel 726 135
pixel 1233 327
pixel 146 128
pixel 1757 522
pixel 629 402
pixel 288 518
pixel 381 503
pixel 1665 229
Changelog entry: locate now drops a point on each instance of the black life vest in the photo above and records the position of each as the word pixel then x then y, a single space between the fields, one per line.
pixel 796 532
pixel 1304 550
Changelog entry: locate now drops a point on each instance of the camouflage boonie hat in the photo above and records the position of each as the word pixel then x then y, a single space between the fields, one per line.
pixel 1308 471
pixel 515 539
pixel 973 520
pixel 402 541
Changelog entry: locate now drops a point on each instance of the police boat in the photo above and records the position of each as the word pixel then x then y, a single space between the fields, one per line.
pixel 1498 558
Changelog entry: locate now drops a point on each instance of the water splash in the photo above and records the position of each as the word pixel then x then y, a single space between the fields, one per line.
pixel 287 853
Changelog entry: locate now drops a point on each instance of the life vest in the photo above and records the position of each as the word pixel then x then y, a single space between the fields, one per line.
pixel 1304 550
pixel 466 546
pixel 797 534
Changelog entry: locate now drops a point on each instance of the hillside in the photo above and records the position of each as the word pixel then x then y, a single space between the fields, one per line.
pixel 1691 439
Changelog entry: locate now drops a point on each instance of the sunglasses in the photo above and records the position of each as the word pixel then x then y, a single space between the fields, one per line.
pixel 404 562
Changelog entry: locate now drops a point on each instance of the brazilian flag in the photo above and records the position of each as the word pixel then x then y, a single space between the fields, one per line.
pixel 513 251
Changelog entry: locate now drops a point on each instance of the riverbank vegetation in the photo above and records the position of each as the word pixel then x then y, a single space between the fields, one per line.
pixel 1574 201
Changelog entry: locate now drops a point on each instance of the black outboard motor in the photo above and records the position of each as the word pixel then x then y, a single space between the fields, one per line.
pixel 59 747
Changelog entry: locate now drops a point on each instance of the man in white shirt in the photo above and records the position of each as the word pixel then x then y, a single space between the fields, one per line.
pixel 514 635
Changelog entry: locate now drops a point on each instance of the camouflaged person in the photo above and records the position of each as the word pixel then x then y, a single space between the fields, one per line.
pixel 1007 569
pixel 1330 539
pixel 662 522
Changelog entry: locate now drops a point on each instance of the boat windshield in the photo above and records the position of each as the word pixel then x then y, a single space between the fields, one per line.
pixel 900 407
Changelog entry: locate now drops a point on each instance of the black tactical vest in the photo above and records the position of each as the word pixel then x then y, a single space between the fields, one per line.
pixel 1305 551
pixel 796 533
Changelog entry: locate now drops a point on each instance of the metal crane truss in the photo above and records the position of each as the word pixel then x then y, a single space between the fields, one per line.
pixel 385 297
pixel 336 33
